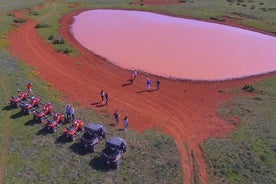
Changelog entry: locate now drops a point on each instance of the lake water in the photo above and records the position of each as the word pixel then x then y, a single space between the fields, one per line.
pixel 174 47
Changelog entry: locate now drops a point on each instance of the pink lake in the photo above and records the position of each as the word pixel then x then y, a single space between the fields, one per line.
pixel 174 47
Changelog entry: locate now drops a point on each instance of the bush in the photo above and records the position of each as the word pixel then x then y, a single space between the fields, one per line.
pixel 51 37
pixel 33 12
pixel 10 14
pixel 43 25
pixel 248 88
pixel 67 51
pixel 19 20
pixel 217 18
pixel 58 40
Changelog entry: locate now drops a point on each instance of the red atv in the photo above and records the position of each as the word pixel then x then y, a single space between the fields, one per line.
pixel 52 125
pixel 15 101
pixel 76 128
pixel 46 111
pixel 29 107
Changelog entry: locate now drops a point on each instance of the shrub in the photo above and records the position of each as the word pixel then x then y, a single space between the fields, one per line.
pixel 43 25
pixel 19 20
pixel 67 51
pixel 33 12
pixel 10 14
pixel 217 18
pixel 51 37
pixel 58 40
pixel 248 88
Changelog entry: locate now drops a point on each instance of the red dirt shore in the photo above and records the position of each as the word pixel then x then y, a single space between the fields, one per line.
pixel 183 109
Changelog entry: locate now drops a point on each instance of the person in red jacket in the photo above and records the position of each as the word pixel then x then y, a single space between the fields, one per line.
pixel 29 87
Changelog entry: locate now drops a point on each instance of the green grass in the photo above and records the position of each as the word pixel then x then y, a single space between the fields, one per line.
pixel 245 156
pixel 36 157
pixel 248 154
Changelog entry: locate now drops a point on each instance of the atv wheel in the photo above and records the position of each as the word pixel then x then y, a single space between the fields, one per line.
pixel 73 137
pixel 92 149
pixel 115 165
pixel 54 129
pixel 17 104
pixel 29 112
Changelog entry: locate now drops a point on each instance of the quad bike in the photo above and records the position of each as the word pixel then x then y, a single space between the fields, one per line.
pixel 15 101
pixel 53 124
pixel 92 136
pixel 76 128
pixel 31 106
pixel 113 150
pixel 46 111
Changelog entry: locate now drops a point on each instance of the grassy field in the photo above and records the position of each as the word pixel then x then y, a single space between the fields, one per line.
pixel 248 154
pixel 28 155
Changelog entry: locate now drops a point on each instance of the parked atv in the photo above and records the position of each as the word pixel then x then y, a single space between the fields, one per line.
pixel 53 124
pixel 15 101
pixel 112 153
pixel 31 106
pixel 92 136
pixel 76 128
pixel 45 112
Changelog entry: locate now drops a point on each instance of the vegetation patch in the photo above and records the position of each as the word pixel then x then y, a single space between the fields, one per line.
pixel 19 20
pixel 248 154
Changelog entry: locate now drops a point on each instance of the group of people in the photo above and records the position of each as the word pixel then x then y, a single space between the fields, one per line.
pixel 104 95
pixel 70 112
pixel 148 88
pixel 117 120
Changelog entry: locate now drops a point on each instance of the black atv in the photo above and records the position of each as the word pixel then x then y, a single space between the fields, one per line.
pixel 112 153
pixel 92 135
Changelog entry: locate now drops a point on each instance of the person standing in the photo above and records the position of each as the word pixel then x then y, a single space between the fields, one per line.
pixel 158 84
pixel 106 98
pixel 68 111
pixel 72 112
pixel 102 96
pixel 135 73
pixel 148 84
pixel 132 77
pixel 126 123
pixel 116 116
pixel 29 87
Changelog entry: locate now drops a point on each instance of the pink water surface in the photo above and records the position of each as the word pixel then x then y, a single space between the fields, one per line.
pixel 174 47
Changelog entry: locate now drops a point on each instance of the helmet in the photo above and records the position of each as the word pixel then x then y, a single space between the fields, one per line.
pixel 33 98
pixel 18 90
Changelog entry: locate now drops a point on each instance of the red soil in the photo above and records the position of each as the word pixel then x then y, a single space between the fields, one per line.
pixel 183 109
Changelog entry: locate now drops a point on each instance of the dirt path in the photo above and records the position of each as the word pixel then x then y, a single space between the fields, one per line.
pixel 185 110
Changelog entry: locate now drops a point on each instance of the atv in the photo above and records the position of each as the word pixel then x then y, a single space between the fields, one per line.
pixel 15 101
pixel 53 124
pixel 113 150
pixel 76 128
pixel 92 135
pixel 46 111
pixel 31 106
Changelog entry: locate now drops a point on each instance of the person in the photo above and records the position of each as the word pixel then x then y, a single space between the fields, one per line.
pixel 116 116
pixel 102 96
pixel 126 123
pixel 132 77
pixel 72 112
pixel 158 84
pixel 148 84
pixel 29 87
pixel 135 73
pixel 68 112
pixel 106 98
